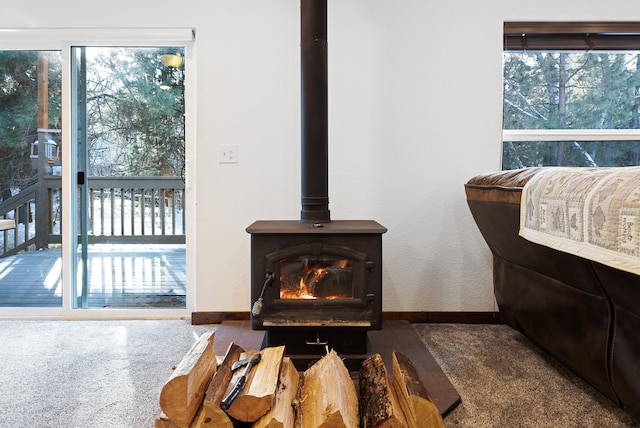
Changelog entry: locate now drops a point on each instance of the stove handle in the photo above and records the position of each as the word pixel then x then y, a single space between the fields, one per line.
pixel 317 342
pixel 257 305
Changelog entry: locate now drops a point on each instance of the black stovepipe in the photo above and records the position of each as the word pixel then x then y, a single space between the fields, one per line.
pixel 314 109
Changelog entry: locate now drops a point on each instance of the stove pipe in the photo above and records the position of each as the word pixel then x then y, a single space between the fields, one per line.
pixel 314 107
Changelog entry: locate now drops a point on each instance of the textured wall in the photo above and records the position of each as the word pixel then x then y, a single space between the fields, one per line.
pixel 415 110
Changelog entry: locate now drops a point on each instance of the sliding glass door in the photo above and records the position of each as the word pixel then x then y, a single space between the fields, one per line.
pixel 30 186
pixel 128 141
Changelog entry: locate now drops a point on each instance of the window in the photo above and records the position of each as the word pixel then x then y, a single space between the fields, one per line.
pixel 571 94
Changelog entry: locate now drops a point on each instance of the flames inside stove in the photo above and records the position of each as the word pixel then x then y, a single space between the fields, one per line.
pixel 323 278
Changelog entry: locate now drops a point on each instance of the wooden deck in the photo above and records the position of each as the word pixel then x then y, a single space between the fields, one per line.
pixel 120 276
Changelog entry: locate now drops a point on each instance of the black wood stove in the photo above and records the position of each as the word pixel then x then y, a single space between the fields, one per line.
pixel 316 283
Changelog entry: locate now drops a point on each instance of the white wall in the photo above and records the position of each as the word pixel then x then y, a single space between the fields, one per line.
pixel 415 111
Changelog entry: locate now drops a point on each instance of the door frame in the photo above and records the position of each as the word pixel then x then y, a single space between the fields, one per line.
pixel 63 40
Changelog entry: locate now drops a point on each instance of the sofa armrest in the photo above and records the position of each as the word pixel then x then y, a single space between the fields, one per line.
pixel 503 186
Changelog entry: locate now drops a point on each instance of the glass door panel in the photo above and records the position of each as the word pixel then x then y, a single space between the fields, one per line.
pixel 30 185
pixel 129 135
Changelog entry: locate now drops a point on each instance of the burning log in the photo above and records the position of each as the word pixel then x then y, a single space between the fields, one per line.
pixel 328 395
pixel 257 396
pixel 407 381
pixel 182 394
pixel 281 414
pixel 317 280
pixel 210 413
pixel 379 403
pixel 330 282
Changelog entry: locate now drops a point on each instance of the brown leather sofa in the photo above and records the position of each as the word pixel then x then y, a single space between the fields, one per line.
pixel 585 314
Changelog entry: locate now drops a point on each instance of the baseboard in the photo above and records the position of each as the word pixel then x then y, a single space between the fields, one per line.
pixel 445 317
pixel 202 318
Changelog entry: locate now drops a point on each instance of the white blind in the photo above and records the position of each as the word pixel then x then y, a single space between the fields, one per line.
pixel 55 38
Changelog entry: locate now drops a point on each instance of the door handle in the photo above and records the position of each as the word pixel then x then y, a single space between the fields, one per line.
pixel 80 178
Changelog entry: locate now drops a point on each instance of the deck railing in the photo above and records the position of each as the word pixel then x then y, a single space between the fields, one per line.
pixel 20 209
pixel 120 210
pixel 136 210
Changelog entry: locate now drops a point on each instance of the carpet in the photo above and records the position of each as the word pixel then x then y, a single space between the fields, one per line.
pixel 109 374
pixel 506 381
pixel 88 373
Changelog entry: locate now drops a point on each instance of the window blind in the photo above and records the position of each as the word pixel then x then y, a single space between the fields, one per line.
pixel 572 36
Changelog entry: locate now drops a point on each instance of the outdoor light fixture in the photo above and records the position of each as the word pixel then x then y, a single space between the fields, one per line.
pixel 171 60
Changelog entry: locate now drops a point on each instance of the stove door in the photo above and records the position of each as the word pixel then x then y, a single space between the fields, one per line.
pixel 316 284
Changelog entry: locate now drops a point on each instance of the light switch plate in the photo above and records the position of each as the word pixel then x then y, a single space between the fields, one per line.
pixel 228 153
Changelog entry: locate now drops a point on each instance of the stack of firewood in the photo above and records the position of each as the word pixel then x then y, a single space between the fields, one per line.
pixel 267 391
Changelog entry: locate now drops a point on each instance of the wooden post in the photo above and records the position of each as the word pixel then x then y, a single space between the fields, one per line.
pixel 42 208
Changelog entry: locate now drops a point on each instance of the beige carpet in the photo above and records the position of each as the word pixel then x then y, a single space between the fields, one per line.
pixel 506 381
pixel 109 374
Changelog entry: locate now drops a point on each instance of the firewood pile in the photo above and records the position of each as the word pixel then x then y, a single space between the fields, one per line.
pixel 263 389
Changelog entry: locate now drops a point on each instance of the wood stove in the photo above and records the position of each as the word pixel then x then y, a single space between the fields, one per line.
pixel 316 283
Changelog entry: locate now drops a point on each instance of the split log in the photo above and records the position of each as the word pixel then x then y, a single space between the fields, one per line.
pixel 378 401
pixel 256 398
pixel 237 374
pixel 210 413
pixel 164 422
pixel 182 394
pixel 281 414
pixel 408 383
pixel 328 397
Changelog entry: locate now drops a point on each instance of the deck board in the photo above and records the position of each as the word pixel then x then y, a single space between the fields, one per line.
pixel 119 276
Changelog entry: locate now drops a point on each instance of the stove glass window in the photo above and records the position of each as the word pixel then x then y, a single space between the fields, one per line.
pixel 316 278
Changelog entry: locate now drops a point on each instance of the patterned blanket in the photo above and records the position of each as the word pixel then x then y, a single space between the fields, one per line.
pixel 590 212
